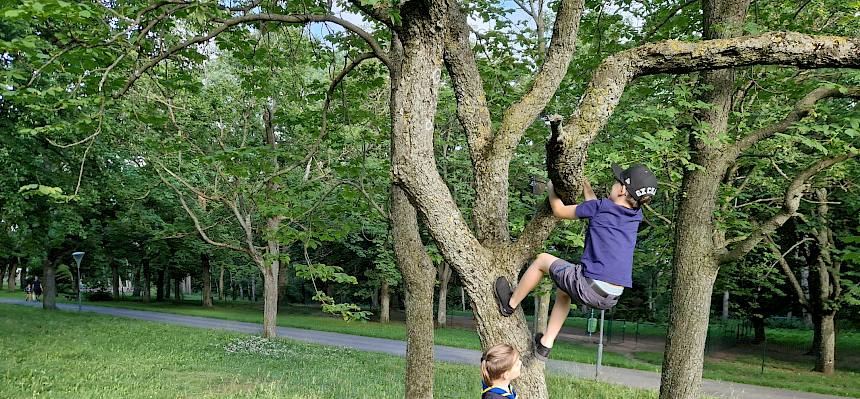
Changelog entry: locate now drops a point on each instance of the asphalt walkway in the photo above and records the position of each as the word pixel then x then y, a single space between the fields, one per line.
pixel 614 375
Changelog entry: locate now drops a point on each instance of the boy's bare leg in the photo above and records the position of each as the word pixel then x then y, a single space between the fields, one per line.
pixel 556 319
pixel 531 278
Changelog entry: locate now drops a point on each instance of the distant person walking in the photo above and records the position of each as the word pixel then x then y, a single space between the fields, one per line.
pixel 37 288
pixel 29 291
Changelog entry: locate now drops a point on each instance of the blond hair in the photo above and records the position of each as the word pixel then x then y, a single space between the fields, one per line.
pixel 497 360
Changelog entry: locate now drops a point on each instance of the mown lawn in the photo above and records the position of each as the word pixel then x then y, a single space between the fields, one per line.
pixel 70 355
pixel 793 375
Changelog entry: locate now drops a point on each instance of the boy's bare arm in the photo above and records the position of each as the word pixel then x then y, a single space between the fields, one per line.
pixel 559 209
pixel 587 192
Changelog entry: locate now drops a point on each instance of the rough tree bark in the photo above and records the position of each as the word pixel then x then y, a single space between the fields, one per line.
pixel 695 266
pixel 827 291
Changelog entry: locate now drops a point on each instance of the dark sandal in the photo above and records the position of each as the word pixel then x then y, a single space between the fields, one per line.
pixel 503 296
pixel 541 352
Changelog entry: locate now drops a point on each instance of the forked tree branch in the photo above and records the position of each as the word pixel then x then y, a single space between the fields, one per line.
pixel 789 208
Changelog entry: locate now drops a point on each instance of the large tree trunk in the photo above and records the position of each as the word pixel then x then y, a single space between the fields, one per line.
pixel 114 278
pixel 270 304
pixel 695 269
pixel 444 278
pixel 826 291
pixel 221 284
pixel 815 348
pixel 695 264
pixel 145 291
pixel 207 280
pixel 415 87
pixel 10 278
pixel 384 302
pixel 825 359
pixel 419 278
pixel 49 284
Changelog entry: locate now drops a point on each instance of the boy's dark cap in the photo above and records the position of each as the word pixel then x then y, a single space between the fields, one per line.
pixel 638 180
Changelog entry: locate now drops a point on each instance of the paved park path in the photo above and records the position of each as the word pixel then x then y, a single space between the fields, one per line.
pixel 614 375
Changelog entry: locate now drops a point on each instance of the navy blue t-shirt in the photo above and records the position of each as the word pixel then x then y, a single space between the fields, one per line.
pixel 609 241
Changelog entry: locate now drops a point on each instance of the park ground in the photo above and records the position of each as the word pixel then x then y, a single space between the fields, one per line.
pixel 785 365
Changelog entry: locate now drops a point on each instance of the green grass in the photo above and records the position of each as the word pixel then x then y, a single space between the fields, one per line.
pixel 746 369
pixel 69 355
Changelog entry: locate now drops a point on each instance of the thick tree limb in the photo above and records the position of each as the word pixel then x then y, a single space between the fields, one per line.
pixel 562 46
pixel 801 109
pixel 472 110
pixel 612 76
pixel 792 202
pixel 291 19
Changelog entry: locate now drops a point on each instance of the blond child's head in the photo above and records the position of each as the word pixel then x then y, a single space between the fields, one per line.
pixel 500 363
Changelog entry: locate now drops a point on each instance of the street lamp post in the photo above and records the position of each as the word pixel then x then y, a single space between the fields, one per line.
pixel 78 256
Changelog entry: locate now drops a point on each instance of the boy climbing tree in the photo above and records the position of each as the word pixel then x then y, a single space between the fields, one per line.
pixel 606 266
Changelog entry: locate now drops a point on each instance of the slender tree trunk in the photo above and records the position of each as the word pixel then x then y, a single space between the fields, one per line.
pixel 254 290
pixel 725 306
pixel 207 280
pixel 444 278
pixel 758 329
pixel 162 284
pixel 221 284
pixel 114 278
pixel 232 287
pixel 825 359
pixel 542 299
pixel 177 288
pixel 135 282
pixel 146 281
pixel 167 285
pixel 49 284
pixel 463 297
pixel 3 271
pixel 22 280
pixel 384 303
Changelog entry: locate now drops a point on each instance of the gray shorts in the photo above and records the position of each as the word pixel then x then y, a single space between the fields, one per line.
pixel 568 277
